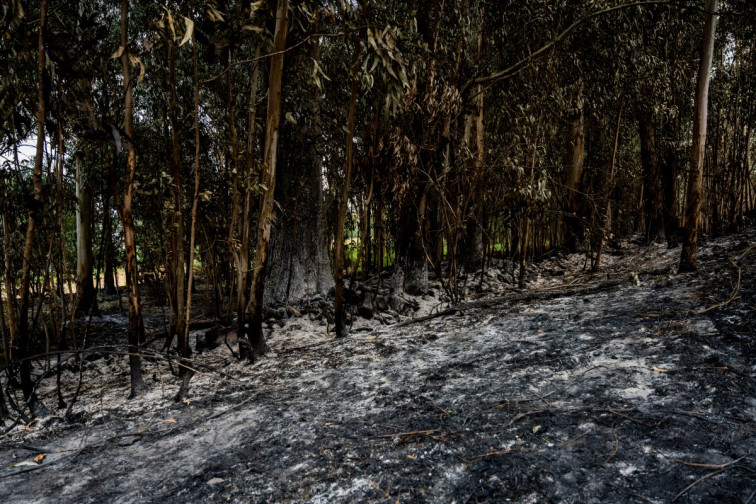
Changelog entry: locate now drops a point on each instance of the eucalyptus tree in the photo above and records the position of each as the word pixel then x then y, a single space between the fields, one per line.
pixel 256 345
pixel 689 255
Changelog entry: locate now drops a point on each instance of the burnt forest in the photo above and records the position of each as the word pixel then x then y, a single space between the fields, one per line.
pixel 396 251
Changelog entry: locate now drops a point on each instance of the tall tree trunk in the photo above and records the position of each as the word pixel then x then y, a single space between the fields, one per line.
pixel 136 325
pixel 607 218
pixel 178 267
pixel 338 252
pixel 186 350
pixel 251 165
pixel 525 237
pixel 689 256
pixel 299 266
pixel 9 284
pixel 652 191
pixel 256 337
pixel 574 228
pixel 24 336
pixel 85 289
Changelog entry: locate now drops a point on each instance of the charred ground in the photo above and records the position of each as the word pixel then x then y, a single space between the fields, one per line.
pixel 635 385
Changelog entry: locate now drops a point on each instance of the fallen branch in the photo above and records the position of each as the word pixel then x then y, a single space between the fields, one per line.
pixel 517 297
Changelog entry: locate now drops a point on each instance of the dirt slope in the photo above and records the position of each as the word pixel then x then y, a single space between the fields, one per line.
pixel 624 391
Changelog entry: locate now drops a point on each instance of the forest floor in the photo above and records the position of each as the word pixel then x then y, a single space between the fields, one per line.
pixel 633 385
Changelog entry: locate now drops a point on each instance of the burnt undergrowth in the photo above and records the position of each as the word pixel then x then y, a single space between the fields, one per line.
pixel 633 385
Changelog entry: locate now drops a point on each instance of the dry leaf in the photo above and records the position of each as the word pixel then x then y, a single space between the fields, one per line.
pixel 189 31
pixel 169 420
pixel 40 457
pixel 215 481
pixel 411 457
pixel 118 53
pixel 137 61
pixel 660 370
pixel 536 428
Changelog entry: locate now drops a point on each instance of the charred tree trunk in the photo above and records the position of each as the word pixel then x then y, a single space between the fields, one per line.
pixel 689 256
pixel 574 228
pixel 186 350
pixel 300 267
pixel 652 193
pixel 24 334
pixel 136 327
pixel 85 289
pixel 256 344
pixel 251 164
pixel 607 217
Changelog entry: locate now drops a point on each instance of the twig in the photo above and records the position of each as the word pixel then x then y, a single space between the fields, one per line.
pixel 616 447
pixel 733 294
pixel 697 464
pixel 699 480
pixel 408 433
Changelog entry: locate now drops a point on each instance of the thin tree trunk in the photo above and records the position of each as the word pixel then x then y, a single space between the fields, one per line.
pixel 186 350
pixel 574 166
pixel 24 338
pixel 338 253
pixel 525 238
pixel 178 267
pixel 689 256
pixel 251 164
pixel 256 338
pixel 85 289
pixel 135 311
pixel 652 203
pixel 608 205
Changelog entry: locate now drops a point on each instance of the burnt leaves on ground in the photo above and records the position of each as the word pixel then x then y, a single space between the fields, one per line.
pixel 640 390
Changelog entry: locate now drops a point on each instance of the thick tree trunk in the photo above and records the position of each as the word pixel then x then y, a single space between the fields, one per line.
pixel 136 327
pixel 85 289
pixel 256 344
pixel 689 256
pixel 574 228
pixel 299 266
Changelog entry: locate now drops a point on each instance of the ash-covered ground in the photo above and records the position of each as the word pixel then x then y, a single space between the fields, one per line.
pixel 633 385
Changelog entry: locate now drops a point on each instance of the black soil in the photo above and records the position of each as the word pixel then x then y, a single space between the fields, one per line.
pixel 633 386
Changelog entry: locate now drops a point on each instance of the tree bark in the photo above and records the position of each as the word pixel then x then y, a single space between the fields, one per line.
pixel 256 343
pixel 24 336
pixel 652 190
pixel 574 228
pixel 136 326
pixel 689 256
pixel 176 221
pixel 85 289
pixel 300 267
pixel 186 350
